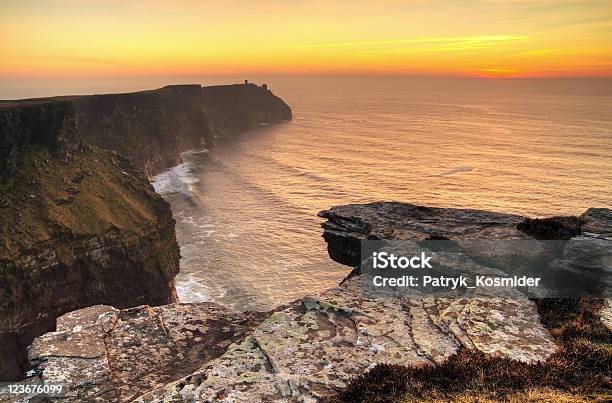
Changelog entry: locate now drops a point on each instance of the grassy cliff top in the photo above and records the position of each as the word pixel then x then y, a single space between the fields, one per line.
pixel 88 193
pixel 18 103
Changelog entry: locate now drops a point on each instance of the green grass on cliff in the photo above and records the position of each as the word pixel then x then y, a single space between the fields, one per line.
pixel 87 193
pixel 580 371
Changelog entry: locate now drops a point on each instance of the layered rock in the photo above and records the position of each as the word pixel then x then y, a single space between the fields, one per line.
pixel 597 226
pixel 51 124
pixel 348 225
pixel 587 238
pixel 79 222
pixel 308 350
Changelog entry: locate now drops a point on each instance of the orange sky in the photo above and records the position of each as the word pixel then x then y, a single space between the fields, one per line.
pixel 67 38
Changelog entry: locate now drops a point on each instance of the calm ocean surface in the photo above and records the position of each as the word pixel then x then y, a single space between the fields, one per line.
pixel 247 212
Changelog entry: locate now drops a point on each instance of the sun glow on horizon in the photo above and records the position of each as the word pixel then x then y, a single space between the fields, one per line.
pixel 489 38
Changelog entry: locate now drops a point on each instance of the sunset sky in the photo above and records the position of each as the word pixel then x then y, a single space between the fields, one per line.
pixel 87 38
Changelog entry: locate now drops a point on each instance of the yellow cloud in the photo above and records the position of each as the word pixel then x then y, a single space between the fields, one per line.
pixel 424 40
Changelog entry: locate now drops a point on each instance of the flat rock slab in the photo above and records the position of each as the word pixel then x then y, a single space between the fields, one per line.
pixel 101 353
pixel 597 222
pixel 404 221
pixel 305 351
pixel 348 225
pixel 313 348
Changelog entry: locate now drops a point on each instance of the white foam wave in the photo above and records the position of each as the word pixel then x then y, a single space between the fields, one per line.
pixel 178 179
pixel 189 289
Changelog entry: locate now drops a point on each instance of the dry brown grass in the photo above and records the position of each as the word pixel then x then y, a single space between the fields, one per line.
pixel 94 193
pixel 579 371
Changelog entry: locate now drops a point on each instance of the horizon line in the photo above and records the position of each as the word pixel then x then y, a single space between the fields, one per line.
pixel 246 75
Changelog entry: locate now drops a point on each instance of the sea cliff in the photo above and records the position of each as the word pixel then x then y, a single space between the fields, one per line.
pixel 79 222
pixel 150 128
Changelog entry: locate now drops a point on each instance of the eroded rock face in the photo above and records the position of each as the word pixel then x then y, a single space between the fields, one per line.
pixel 53 125
pixel 88 231
pixel 78 233
pixel 104 354
pixel 238 108
pixel 348 225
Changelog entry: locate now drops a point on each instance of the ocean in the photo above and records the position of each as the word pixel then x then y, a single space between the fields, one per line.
pixel 246 212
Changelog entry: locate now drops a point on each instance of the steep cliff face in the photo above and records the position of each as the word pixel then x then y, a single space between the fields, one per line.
pixel 79 222
pixel 150 128
pixel 79 232
pixel 51 124
pixel 237 108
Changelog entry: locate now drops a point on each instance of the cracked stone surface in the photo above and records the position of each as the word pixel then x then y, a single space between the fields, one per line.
pixel 305 351
pixel 104 354
pixel 315 346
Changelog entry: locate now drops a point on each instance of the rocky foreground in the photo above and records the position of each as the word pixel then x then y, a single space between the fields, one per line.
pixel 80 223
pixel 311 349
